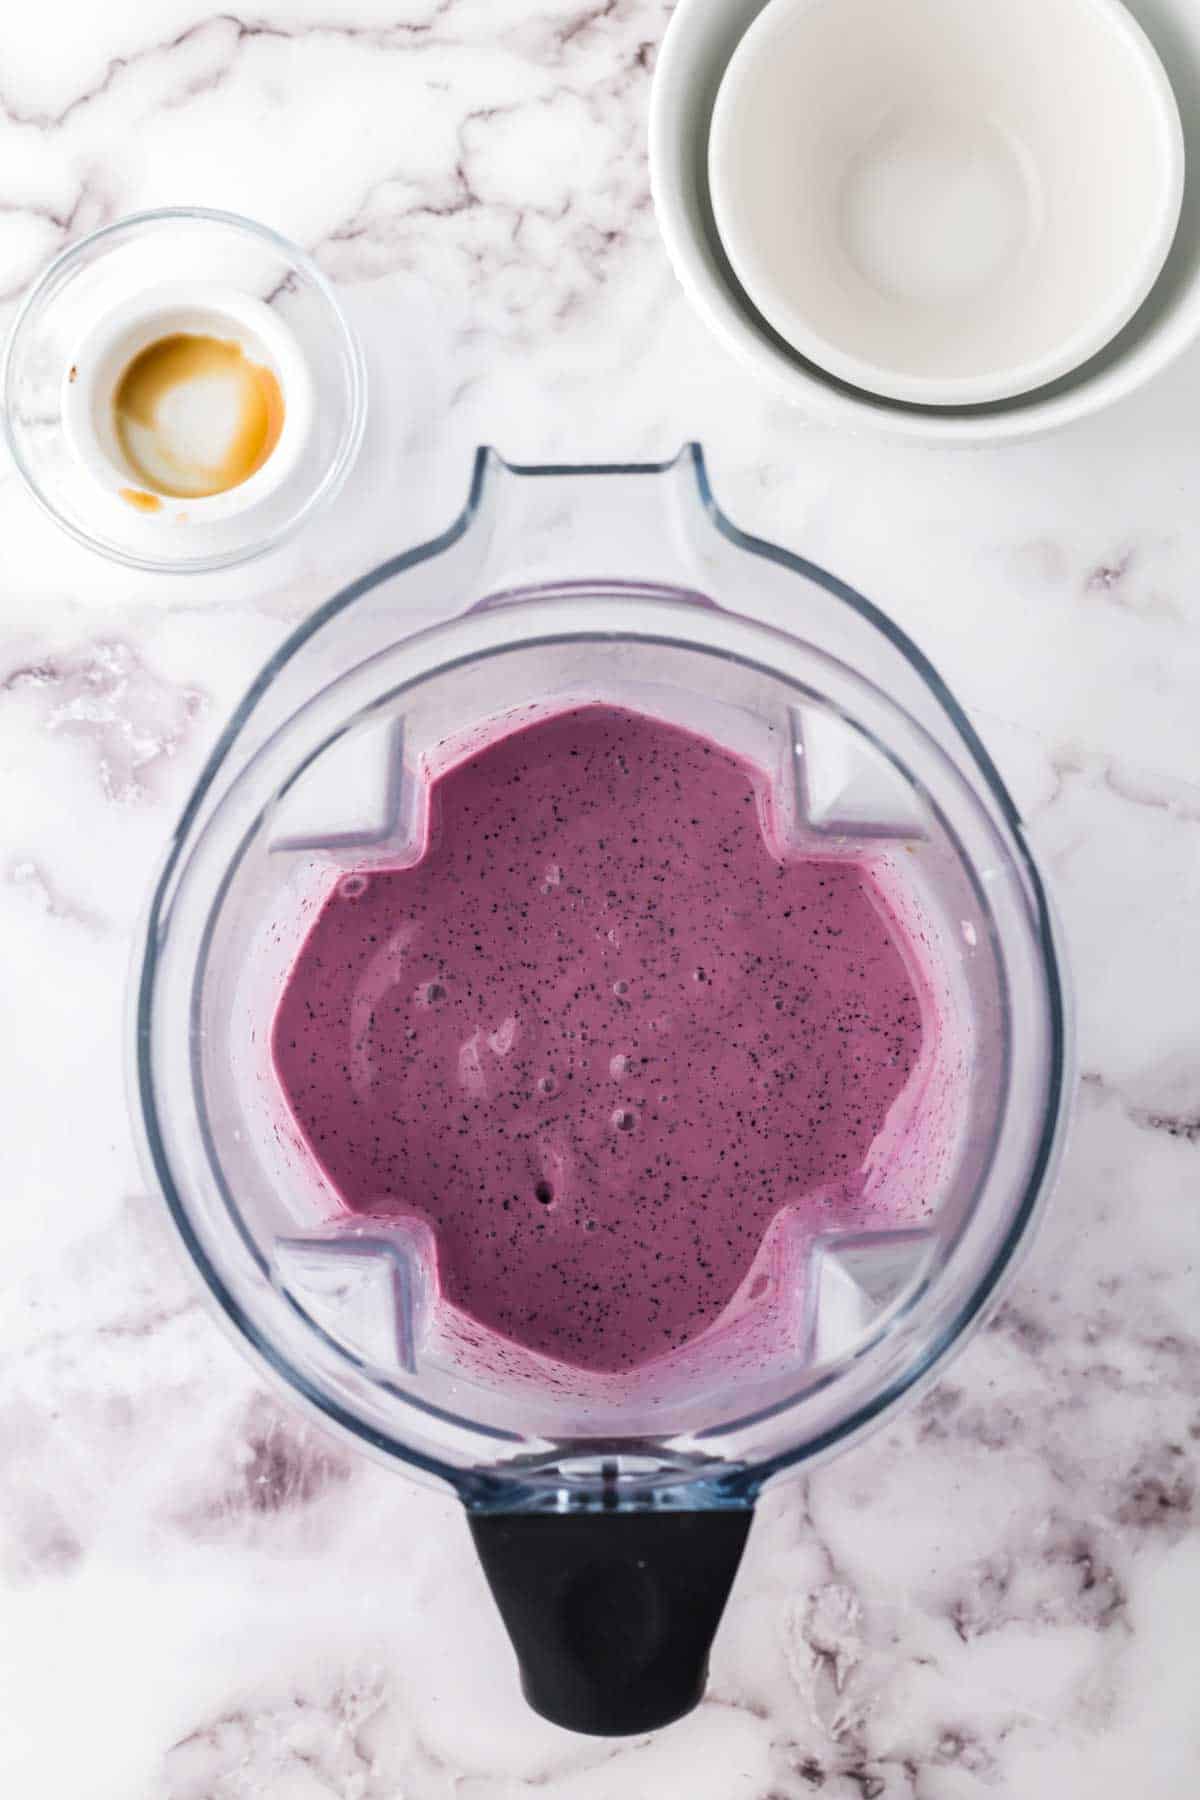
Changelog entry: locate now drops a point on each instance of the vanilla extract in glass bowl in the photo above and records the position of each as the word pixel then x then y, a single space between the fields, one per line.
pixel 182 390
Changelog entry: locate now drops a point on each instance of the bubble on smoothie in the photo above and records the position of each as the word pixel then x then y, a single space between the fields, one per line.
pixel 623 1119
pixel 618 1066
pixel 352 887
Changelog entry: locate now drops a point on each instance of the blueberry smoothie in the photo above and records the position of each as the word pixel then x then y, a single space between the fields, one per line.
pixel 599 1034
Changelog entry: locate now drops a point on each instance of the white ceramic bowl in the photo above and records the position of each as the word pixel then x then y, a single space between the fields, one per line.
pixel 699 44
pixel 947 202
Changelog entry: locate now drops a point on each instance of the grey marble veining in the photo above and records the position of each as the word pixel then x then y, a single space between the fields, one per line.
pixel 203 1597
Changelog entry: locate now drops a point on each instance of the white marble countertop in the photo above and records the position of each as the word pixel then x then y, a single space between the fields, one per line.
pixel 200 1597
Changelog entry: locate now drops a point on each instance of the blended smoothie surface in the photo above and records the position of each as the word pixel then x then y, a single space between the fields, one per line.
pixel 598 1035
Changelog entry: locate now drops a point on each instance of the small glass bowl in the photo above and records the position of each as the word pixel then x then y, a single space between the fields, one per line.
pixel 177 251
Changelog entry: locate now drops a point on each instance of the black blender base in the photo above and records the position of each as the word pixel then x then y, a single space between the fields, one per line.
pixel 612 1614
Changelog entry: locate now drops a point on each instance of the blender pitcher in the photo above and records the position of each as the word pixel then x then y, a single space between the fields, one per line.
pixel 609 1513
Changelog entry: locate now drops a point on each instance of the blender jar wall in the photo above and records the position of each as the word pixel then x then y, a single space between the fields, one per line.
pixel 266 870
pixel 625 522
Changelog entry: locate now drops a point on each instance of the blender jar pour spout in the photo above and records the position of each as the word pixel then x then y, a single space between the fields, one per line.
pixel 636 523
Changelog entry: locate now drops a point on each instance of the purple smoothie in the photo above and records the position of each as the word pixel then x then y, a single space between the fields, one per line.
pixel 598 1035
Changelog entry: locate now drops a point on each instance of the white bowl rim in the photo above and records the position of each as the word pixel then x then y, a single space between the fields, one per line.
pixel 1101 326
pixel 724 310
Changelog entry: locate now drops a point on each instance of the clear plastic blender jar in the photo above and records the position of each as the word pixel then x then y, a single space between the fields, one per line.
pixel 610 1515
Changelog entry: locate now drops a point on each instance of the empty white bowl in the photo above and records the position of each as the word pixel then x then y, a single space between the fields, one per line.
pixel 946 202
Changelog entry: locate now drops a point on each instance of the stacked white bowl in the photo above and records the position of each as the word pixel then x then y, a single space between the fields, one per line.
pixel 946 219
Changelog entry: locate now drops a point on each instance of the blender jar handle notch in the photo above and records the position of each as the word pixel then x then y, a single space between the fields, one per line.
pixel 612 1614
pixel 640 524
